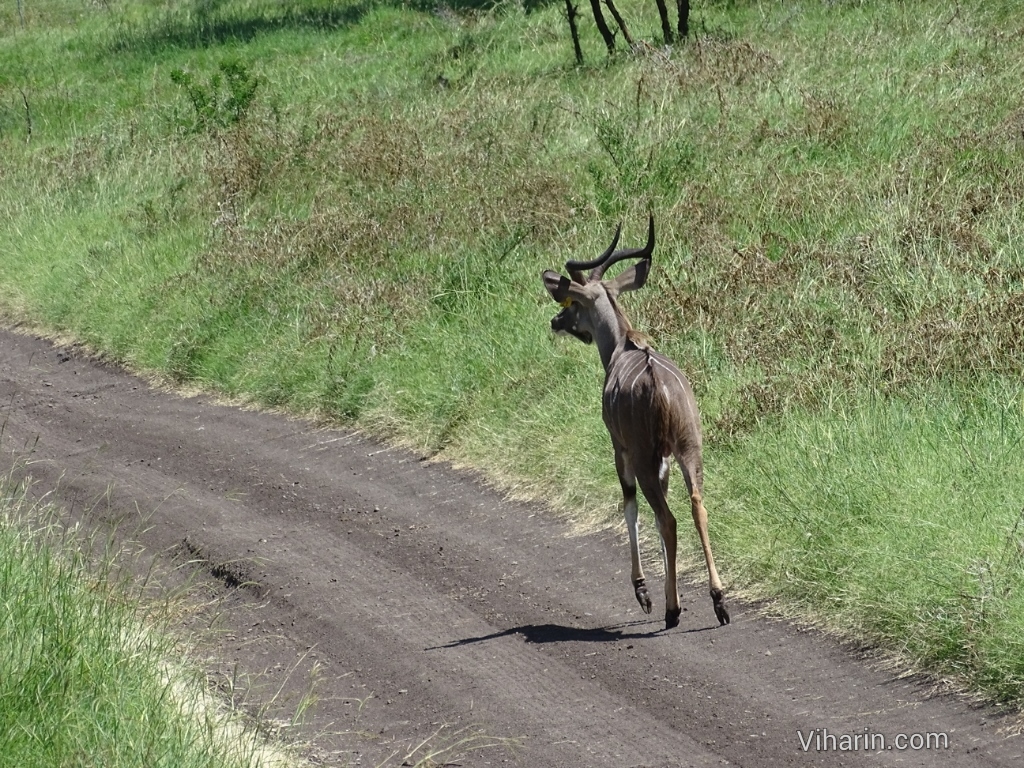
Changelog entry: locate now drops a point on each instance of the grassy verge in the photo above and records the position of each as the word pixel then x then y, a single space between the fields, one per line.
pixel 89 671
pixel 900 519
pixel 344 207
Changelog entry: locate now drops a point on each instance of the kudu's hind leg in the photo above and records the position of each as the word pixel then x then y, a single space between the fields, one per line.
pixel 655 488
pixel 627 479
pixel 700 520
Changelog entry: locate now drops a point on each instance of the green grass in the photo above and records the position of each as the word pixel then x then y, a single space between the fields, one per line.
pixel 838 192
pixel 90 673
pixel 897 519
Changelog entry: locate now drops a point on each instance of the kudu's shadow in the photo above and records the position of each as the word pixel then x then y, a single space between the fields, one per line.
pixel 558 633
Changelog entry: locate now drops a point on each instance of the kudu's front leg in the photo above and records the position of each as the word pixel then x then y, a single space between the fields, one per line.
pixel 627 479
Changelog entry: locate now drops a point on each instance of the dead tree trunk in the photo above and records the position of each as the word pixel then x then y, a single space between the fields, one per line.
pixel 666 25
pixel 621 22
pixel 571 13
pixel 683 6
pixel 602 25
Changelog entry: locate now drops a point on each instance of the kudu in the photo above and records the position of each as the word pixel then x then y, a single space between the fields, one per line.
pixel 648 407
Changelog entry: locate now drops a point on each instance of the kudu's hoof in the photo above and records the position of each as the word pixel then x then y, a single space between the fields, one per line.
pixel 642 597
pixel 720 610
pixel 672 617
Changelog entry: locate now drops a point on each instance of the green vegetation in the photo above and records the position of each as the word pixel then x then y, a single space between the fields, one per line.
pixel 344 207
pixel 88 674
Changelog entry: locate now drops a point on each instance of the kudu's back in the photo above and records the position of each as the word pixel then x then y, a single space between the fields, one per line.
pixel 649 406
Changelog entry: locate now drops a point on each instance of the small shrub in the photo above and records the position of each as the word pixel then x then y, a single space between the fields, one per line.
pixel 223 100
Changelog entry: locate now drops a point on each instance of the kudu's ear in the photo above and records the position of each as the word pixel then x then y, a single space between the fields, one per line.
pixel 562 289
pixel 630 279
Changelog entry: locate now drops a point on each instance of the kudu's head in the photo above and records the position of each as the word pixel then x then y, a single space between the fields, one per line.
pixel 589 308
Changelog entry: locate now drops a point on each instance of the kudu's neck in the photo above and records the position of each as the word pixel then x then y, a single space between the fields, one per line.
pixel 610 329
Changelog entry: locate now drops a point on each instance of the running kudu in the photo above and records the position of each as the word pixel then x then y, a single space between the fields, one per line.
pixel 648 407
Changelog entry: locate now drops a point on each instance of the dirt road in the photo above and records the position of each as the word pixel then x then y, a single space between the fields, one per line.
pixel 425 599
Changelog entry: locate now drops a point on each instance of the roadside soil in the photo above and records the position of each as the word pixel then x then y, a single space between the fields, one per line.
pixel 427 607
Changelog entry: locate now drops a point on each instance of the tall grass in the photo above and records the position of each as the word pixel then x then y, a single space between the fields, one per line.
pixel 89 671
pixel 837 189
pixel 899 518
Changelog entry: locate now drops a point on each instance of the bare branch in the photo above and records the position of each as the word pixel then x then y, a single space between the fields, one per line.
pixel 666 27
pixel 620 21
pixel 683 7
pixel 571 13
pixel 28 115
pixel 602 25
